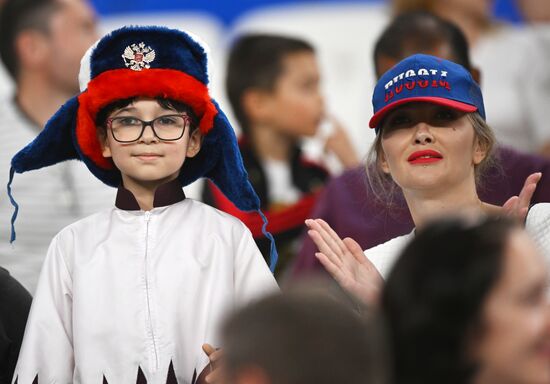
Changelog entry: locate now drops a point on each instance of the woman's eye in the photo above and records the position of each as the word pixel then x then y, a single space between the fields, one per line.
pixel 446 115
pixel 398 120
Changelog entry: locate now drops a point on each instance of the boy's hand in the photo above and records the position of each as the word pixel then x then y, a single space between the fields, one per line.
pixel 215 355
pixel 339 143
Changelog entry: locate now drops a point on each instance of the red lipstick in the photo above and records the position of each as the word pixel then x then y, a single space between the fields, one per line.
pixel 426 156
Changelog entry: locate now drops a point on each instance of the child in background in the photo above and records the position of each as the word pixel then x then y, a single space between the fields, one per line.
pixel 273 87
pixel 132 293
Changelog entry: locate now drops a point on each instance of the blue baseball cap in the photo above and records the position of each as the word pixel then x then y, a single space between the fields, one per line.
pixel 425 78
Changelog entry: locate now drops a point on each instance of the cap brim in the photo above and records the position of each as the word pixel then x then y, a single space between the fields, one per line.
pixel 378 116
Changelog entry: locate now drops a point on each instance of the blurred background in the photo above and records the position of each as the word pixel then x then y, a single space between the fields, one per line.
pixel 343 33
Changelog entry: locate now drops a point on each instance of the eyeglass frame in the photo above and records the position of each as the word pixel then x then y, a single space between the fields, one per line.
pixel 187 121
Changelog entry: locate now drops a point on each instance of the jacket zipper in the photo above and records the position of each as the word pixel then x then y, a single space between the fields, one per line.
pixel 147 291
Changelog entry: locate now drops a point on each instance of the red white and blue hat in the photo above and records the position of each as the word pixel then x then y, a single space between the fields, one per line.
pixel 143 62
pixel 425 78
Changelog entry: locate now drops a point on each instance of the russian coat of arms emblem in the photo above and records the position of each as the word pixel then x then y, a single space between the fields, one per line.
pixel 138 56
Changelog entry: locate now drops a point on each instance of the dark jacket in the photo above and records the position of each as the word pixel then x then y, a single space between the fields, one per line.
pixel 15 303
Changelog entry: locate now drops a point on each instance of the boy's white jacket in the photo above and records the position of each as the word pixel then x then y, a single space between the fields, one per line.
pixel 127 290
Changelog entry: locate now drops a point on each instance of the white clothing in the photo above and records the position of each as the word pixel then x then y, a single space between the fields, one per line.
pixel 122 290
pixel 538 226
pixel 384 255
pixel 281 189
pixel 49 199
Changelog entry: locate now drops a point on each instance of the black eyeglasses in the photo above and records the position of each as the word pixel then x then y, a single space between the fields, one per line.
pixel 127 129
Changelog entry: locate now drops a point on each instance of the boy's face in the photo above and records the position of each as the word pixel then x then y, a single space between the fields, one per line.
pixel 295 106
pixel 149 161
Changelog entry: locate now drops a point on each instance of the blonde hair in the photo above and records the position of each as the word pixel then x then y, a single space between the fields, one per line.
pixel 384 188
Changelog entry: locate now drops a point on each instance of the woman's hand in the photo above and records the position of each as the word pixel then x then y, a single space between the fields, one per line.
pixel 346 262
pixel 518 206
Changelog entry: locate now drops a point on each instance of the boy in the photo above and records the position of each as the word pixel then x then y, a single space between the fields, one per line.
pixel 273 87
pixel 131 294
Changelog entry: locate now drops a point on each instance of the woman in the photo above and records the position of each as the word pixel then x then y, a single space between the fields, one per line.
pixel 433 142
pixel 465 303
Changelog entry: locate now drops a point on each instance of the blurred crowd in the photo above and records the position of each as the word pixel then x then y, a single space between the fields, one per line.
pixel 464 301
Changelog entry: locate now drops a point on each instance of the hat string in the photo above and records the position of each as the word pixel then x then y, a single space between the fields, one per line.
pixel 273 256
pixel 15 205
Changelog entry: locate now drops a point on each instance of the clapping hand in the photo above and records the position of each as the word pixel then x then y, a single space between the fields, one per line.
pixel 346 262
pixel 518 206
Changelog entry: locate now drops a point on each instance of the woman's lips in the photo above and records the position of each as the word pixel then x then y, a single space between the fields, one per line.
pixel 424 157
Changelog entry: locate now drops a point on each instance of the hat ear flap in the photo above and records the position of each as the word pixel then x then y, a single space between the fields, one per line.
pixel 53 145
pixel 220 160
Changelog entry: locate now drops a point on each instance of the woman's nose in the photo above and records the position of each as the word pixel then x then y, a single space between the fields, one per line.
pixel 423 134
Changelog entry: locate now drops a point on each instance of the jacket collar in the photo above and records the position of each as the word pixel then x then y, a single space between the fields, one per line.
pixel 166 194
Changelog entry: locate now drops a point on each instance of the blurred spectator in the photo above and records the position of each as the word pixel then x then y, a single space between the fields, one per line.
pixel 302 339
pixel 465 303
pixel 273 87
pixel 534 11
pixel 516 80
pixel 15 302
pixel 41 44
pixel 347 203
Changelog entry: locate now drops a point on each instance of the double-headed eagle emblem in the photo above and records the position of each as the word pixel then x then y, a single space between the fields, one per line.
pixel 138 56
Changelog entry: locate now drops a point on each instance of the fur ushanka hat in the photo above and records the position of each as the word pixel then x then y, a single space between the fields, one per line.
pixel 143 62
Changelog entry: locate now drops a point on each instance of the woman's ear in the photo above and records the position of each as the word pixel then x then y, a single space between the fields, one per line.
pixel 480 152
pixel 194 144
pixel 382 162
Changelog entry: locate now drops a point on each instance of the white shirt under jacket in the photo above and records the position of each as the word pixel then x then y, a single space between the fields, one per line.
pixel 127 290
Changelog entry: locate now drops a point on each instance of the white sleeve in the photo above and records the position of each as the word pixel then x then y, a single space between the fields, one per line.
pixel 537 225
pixel 47 348
pixel 253 279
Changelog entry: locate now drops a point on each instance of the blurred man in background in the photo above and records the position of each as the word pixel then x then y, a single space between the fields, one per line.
pixel 41 44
